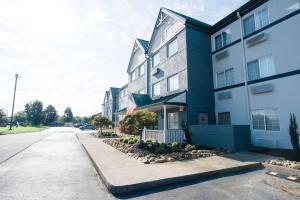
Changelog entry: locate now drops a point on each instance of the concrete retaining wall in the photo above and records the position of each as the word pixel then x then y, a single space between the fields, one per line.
pixel 230 137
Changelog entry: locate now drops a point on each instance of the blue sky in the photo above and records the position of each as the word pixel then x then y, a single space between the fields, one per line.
pixel 68 52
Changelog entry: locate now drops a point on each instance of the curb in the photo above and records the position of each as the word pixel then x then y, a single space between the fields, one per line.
pixel 124 189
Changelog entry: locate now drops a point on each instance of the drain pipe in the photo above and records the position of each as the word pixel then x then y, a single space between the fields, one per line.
pixel 245 76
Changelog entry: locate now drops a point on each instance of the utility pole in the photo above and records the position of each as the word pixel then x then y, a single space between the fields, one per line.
pixel 13 105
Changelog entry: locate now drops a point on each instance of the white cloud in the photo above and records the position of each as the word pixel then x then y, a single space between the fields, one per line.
pixel 68 52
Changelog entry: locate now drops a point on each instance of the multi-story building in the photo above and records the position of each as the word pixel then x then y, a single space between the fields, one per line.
pixel 123 102
pixel 110 104
pixel 256 69
pixel 243 70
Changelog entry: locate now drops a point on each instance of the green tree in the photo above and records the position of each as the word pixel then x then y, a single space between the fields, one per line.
pixel 34 112
pixel 101 122
pixel 21 117
pixel 50 114
pixel 3 116
pixel 68 115
pixel 135 122
pixel 294 135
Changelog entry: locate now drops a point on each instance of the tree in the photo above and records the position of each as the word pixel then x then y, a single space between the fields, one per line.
pixel 21 117
pixel 101 121
pixel 135 122
pixel 34 112
pixel 68 115
pixel 3 116
pixel 50 114
pixel 294 135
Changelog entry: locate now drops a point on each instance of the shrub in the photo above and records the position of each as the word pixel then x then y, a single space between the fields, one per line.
pixel 125 140
pixel 175 147
pixel 190 147
pixel 131 142
pixel 148 141
pixel 294 135
pixel 161 148
pixel 101 121
pixel 122 139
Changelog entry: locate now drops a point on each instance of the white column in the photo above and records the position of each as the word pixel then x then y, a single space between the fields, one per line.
pixel 165 119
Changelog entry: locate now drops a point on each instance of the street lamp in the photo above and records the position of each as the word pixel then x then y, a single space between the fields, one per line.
pixel 13 105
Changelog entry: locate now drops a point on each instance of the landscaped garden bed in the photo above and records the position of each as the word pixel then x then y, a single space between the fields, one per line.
pixel 105 134
pixel 152 152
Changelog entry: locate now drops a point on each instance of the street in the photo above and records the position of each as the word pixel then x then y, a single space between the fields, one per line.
pixel 53 165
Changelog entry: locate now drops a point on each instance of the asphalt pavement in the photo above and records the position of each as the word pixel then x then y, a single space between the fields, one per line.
pixel 53 165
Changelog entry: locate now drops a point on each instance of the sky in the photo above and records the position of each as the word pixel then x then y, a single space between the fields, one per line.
pixel 69 52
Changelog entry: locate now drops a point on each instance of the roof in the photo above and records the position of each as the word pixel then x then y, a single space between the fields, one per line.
pixel 144 100
pixel 188 20
pixel 143 44
pixel 114 91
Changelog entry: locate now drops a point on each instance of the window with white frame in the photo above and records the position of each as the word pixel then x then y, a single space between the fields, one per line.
pixel 172 47
pixel 142 70
pixel 156 89
pixel 173 120
pixel 260 68
pixel 173 83
pixel 142 91
pixel 222 40
pixel 156 59
pixel 267 120
pixel 256 21
pixel 225 78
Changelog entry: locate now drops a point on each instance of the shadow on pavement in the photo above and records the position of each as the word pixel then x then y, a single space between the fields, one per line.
pixel 179 185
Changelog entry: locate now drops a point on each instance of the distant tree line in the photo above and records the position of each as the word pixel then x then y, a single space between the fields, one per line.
pixel 34 114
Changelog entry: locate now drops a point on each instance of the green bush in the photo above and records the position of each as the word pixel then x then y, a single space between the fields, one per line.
pixel 131 142
pixel 125 140
pixel 175 147
pixel 148 141
pixel 190 147
pixel 161 148
pixel 122 139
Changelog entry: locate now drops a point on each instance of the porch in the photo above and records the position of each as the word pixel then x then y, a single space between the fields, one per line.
pixel 171 112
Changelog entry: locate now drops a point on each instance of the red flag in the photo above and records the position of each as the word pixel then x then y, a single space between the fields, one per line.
pixel 131 108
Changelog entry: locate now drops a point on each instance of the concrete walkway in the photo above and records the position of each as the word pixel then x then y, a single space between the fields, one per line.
pixel 122 173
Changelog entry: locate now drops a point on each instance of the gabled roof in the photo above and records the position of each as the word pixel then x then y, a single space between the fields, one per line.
pixel 144 100
pixel 114 91
pixel 143 45
pixel 186 19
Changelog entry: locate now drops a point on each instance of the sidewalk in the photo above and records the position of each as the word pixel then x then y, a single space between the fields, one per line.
pixel 122 173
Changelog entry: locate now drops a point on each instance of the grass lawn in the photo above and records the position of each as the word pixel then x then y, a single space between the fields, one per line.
pixel 21 129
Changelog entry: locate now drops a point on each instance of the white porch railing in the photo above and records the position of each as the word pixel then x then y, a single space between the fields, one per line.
pixel 171 135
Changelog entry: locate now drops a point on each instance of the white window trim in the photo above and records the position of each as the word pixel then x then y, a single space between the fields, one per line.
pixel 254 13
pixel 224 73
pixel 265 126
pixel 168 83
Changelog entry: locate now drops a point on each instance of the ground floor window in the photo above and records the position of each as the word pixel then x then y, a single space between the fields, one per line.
pixel 224 118
pixel 203 118
pixel 267 120
pixel 173 120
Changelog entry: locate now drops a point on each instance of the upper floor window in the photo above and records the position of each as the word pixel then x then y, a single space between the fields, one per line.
pixel 142 70
pixel 156 59
pixel 260 68
pixel 222 40
pixel 172 47
pixel 267 120
pixel 256 21
pixel 173 83
pixel 142 91
pixel 156 89
pixel 225 78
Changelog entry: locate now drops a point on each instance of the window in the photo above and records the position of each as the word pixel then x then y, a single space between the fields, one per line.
pixel 142 91
pixel 156 59
pixel 224 118
pixel 142 70
pixel 225 78
pixel 260 68
pixel 267 120
pixel 173 120
pixel 222 40
pixel 256 21
pixel 172 48
pixel 156 89
pixel 173 83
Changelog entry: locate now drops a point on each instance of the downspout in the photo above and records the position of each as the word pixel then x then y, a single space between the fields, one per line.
pixel 246 77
